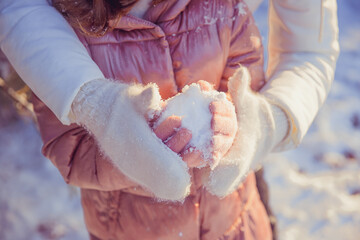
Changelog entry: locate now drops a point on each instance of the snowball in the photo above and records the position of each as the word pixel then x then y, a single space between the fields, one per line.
pixel 192 105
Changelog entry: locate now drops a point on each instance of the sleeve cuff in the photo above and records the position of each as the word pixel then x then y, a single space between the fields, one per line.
pixel 287 136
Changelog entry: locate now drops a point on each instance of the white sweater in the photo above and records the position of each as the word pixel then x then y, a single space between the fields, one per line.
pixel 303 49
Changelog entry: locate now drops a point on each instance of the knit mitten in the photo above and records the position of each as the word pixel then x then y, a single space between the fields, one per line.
pixel 261 126
pixel 116 114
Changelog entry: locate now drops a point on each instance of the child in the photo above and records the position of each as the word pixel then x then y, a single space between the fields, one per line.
pixel 176 43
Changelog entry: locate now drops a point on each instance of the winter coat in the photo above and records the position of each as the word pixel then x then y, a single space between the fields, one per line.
pixel 180 42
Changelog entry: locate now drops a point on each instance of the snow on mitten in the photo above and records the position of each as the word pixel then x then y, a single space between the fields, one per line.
pixel 116 114
pixel 261 126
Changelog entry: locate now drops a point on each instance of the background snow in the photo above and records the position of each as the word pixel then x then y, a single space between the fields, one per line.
pixel 315 190
pixel 35 203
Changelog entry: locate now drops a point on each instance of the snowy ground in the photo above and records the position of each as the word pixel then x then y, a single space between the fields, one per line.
pixel 315 190
pixel 35 203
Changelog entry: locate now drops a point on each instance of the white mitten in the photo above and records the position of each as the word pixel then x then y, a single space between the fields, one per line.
pixel 261 126
pixel 115 113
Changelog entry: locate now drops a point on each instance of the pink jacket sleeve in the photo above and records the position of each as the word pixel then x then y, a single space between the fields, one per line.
pixel 76 154
pixel 245 48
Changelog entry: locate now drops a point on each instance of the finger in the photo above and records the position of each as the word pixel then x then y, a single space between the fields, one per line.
pixel 168 127
pixel 222 107
pixel 193 158
pixel 179 140
pixel 222 143
pixel 223 125
pixel 205 86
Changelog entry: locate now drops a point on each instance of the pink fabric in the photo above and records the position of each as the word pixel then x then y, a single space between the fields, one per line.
pixel 178 43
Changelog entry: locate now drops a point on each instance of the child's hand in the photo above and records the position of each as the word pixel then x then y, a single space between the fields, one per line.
pixel 224 126
pixel 210 125
pixel 171 133
pixel 177 138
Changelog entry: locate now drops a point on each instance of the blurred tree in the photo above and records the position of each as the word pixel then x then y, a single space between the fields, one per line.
pixel 14 94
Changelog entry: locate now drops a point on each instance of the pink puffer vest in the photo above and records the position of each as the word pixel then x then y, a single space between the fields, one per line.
pixel 178 43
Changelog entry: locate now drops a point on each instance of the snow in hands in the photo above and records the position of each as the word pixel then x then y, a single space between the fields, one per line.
pixel 192 105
